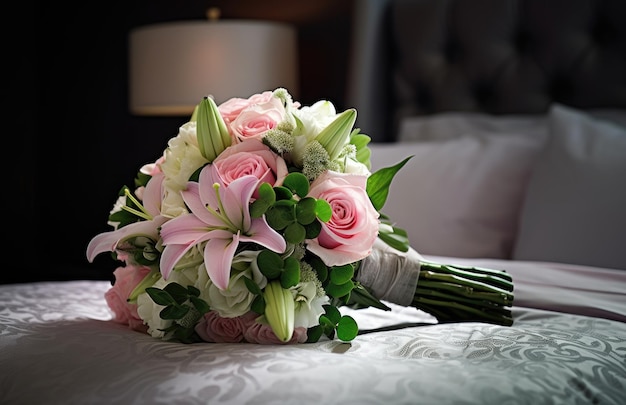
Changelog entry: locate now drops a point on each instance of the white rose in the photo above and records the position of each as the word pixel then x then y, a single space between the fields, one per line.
pixel 149 312
pixel 182 159
pixel 236 299
pixel 354 167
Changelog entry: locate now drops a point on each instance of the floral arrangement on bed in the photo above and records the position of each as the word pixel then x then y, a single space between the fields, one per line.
pixel 260 220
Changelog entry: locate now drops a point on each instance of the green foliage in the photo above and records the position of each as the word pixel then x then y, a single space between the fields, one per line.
pixel 297 183
pixel 182 306
pixel 378 183
pixel 289 210
pixel 332 322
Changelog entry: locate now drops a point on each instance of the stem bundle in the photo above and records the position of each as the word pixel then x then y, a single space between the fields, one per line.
pixel 455 293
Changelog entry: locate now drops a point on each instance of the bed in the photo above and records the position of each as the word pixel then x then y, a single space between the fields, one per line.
pixel 515 115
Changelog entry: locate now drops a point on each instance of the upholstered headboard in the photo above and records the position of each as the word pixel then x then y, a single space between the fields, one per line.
pixel 416 57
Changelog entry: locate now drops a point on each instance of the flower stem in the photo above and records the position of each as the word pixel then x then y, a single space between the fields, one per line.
pixel 454 293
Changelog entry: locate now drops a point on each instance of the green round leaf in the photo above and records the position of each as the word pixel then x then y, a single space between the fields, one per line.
pixel 294 233
pixel 258 208
pixel 341 274
pixel 313 229
pixel 347 328
pixel 279 216
pixel 323 210
pixel 283 193
pixel 305 210
pixel 332 313
pixel 339 290
pixel 270 264
pixel 267 194
pixel 314 334
pixel 298 183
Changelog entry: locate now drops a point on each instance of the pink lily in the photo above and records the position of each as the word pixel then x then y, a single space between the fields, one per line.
pixel 219 215
pixel 151 212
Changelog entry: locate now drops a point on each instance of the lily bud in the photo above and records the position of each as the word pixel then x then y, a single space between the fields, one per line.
pixel 279 310
pixel 337 134
pixel 213 136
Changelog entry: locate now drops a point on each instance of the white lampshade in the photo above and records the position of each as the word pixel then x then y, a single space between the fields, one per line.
pixel 174 65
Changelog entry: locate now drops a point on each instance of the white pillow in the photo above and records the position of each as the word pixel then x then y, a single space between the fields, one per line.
pixel 575 207
pixel 452 125
pixel 459 197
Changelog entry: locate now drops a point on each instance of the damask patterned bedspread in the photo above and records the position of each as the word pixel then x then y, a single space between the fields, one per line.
pixel 58 346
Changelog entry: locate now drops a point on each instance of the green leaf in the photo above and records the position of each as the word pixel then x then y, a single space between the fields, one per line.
pixel 314 333
pixel 333 314
pixel 177 291
pixel 320 268
pixel 280 216
pixel 360 297
pixel 312 230
pixel 341 274
pixel 323 210
pixel 201 305
pixel 159 296
pixel 267 193
pixel 283 193
pixel 258 208
pixel 306 210
pixel 347 328
pixel 294 233
pixel 378 183
pixel 291 273
pixel 258 304
pixel 193 291
pixel 252 286
pixel 360 141
pixel 174 312
pixel 397 239
pixel 339 290
pixel 297 183
pixel 270 264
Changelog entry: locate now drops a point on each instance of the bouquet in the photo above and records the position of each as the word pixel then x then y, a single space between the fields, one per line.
pixel 260 220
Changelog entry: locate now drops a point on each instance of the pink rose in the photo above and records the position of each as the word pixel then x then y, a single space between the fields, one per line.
pixel 353 227
pixel 231 108
pixel 256 120
pixel 216 329
pixel 263 334
pixel 126 279
pixel 251 157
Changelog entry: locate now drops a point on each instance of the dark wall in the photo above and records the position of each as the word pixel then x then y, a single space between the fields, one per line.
pixel 87 143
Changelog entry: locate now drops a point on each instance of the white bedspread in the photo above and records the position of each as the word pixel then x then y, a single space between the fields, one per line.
pixel 567 345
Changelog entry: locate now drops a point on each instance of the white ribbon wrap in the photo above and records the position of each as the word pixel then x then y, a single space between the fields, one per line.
pixel 390 274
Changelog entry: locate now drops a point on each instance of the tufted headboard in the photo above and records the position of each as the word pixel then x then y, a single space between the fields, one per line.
pixel 417 57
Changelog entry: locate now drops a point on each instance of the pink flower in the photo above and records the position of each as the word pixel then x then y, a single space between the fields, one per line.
pixel 263 334
pixel 256 120
pixel 231 108
pixel 214 328
pixel 220 216
pixel 353 227
pixel 251 157
pixel 109 241
pixel 126 279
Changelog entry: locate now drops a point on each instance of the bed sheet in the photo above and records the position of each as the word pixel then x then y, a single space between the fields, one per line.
pixel 58 346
